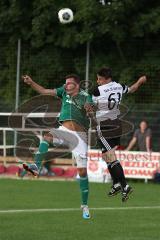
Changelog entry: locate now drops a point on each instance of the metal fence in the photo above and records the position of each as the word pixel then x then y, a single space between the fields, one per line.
pixel 142 105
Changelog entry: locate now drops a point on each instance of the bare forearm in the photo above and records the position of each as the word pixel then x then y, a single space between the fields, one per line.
pixel 131 144
pixel 133 88
pixel 91 113
pixel 148 144
pixel 38 88
pixel 43 90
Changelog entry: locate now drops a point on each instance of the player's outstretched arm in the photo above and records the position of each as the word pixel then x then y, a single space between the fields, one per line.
pixel 38 88
pixel 136 85
pixel 91 112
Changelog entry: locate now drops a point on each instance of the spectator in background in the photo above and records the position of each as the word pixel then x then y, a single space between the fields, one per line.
pixel 156 177
pixel 142 136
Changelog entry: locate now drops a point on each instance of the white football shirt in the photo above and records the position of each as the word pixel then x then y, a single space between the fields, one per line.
pixel 107 97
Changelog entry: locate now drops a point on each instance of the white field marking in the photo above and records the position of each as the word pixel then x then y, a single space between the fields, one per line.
pixel 77 209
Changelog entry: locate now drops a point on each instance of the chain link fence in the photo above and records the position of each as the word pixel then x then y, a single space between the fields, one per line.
pixel 49 69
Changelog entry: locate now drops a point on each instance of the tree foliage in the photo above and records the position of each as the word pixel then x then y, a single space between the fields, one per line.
pixel 123 34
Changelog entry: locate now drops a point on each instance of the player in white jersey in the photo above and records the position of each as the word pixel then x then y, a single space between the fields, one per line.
pixel 107 97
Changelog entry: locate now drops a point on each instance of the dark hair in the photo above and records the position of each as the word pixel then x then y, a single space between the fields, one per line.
pixel 75 77
pixel 105 72
pixel 144 120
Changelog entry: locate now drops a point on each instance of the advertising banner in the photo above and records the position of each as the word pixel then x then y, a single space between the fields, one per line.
pixel 138 165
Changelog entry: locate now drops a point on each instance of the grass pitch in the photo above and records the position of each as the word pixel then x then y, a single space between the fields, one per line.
pixel 50 211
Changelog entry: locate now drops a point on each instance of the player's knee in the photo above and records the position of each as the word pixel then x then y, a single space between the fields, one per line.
pixel 82 172
pixel 109 156
pixel 48 138
pixel 81 161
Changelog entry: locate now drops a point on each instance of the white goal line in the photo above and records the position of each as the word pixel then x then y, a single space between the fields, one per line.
pixel 78 209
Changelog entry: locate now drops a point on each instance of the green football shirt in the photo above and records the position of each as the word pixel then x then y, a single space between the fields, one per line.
pixel 73 107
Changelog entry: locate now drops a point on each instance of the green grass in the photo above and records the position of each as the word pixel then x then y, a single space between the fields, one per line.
pixel 120 224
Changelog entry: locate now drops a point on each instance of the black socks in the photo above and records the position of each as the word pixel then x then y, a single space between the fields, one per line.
pixel 117 173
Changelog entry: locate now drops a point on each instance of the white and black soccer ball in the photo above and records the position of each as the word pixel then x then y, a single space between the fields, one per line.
pixel 65 15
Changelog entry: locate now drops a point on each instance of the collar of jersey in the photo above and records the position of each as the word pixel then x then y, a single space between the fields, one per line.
pixel 107 84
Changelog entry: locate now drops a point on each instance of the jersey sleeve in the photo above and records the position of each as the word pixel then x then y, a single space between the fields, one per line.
pixel 89 99
pixel 96 92
pixel 60 91
pixel 125 88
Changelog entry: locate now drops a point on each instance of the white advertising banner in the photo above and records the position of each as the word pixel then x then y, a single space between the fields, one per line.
pixel 97 168
pixel 140 165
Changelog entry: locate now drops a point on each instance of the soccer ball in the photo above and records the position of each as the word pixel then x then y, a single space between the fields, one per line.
pixel 65 15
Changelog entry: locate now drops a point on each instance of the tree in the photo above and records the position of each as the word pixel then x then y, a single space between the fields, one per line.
pixel 122 35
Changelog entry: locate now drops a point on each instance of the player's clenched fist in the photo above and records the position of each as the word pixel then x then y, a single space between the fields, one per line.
pixel 27 79
pixel 142 79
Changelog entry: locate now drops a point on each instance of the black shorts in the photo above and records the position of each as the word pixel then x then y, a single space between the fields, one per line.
pixel 109 133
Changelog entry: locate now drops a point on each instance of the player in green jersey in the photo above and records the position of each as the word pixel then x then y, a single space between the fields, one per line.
pixel 73 129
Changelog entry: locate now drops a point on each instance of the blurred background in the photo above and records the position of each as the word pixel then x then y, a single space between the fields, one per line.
pixel 123 35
